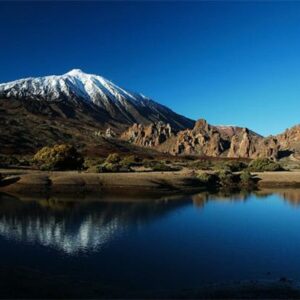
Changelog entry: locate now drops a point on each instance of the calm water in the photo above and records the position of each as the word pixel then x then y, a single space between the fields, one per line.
pixel 134 247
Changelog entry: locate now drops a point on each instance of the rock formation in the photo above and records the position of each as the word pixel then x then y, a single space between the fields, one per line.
pixel 205 140
pixel 148 135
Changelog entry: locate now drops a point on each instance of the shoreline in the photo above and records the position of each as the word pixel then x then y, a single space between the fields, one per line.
pixel 57 182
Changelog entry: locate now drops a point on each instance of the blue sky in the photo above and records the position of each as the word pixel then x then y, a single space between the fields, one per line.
pixel 228 62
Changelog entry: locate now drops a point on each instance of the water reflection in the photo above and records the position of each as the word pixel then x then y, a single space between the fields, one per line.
pixel 74 226
pixel 89 225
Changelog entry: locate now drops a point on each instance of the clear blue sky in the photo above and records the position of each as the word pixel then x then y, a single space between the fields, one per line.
pixel 228 62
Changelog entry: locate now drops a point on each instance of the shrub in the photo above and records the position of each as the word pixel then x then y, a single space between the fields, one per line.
pixel 160 166
pixel 8 160
pixel 227 178
pixel 113 158
pixel 201 165
pixel 264 164
pixel 130 161
pixel 59 157
pixel 230 166
pixel 208 179
pixel 147 163
pixel 112 168
pixel 246 178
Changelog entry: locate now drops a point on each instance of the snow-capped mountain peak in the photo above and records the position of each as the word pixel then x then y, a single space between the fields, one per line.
pixel 74 83
pixel 107 101
pixel 75 72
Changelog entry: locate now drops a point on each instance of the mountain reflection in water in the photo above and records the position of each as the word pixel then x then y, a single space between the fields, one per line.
pixel 75 226
pixel 149 247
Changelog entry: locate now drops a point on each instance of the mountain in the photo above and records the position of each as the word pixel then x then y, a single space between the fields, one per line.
pixel 104 101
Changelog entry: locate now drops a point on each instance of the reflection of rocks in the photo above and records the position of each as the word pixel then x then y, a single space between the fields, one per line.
pixel 74 226
pixel 201 199
pixel 292 195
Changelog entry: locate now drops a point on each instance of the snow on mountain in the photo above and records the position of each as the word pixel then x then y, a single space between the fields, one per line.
pixel 100 94
pixel 74 83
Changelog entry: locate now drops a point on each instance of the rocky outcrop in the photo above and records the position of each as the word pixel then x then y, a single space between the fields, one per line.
pixel 204 140
pixel 148 135
pixel 253 146
pixel 290 139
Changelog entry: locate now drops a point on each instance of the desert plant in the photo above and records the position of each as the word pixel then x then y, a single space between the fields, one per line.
pixel 130 161
pixel 59 157
pixel 208 179
pixel 246 178
pixel 112 168
pixel 264 164
pixel 230 166
pixel 113 158
pixel 8 160
pixel 161 166
pixel 201 165
pixel 228 179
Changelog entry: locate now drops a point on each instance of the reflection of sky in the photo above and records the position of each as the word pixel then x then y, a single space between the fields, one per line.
pixel 89 228
pixel 91 234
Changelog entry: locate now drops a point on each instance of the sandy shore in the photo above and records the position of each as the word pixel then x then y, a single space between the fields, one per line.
pixel 30 181
pixel 278 179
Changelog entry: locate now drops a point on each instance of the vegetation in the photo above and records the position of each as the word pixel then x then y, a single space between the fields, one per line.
pixel 159 166
pixel 59 157
pixel 113 168
pixel 264 164
pixel 208 179
pixel 226 179
pixel 202 164
pixel 11 160
pixel 114 163
pixel 162 167
pixel 113 158
pixel 247 179
pixel 130 161
pixel 230 166
pixel 219 164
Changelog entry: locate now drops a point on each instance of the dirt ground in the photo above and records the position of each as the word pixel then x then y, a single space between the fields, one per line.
pixel 32 181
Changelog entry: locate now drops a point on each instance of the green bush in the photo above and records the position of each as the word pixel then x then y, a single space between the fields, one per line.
pixel 130 161
pixel 8 160
pixel 246 178
pixel 264 164
pixel 59 157
pixel 208 179
pixel 113 158
pixel 201 165
pixel 113 168
pixel 227 178
pixel 160 166
pixel 230 166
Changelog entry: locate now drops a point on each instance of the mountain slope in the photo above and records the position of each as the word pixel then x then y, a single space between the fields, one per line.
pixel 113 105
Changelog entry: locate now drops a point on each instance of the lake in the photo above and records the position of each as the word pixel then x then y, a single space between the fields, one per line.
pixel 141 247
